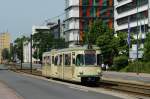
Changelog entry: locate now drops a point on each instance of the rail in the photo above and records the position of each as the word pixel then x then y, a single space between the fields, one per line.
pixel 137 89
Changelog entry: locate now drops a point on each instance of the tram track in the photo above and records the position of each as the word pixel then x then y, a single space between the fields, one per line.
pixel 136 89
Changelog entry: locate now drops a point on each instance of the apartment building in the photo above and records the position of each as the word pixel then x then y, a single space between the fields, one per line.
pixel 4 43
pixel 133 13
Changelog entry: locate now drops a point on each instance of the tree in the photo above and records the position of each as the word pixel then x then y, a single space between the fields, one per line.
pixel 101 35
pixel 110 45
pixel 5 54
pixel 42 42
pixel 18 47
pixel 95 29
pixel 147 48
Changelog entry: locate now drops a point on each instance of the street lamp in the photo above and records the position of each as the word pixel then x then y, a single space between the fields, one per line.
pixel 31 53
pixel 21 52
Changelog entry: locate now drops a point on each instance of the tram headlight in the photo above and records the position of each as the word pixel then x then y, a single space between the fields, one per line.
pixel 99 72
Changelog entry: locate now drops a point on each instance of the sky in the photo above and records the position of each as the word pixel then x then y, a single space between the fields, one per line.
pixel 18 16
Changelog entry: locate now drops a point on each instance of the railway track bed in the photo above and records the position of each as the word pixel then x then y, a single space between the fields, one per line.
pixel 137 89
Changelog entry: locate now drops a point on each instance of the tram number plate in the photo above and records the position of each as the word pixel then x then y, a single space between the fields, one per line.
pixel 91 79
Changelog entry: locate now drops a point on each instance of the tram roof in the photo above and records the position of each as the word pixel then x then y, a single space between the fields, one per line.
pixel 77 48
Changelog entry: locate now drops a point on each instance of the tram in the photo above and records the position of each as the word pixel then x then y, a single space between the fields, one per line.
pixel 77 64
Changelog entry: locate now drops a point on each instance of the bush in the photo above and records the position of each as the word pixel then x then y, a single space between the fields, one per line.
pixel 140 67
pixel 119 63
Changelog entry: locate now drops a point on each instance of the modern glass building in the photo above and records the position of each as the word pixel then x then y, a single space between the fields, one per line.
pixel 81 13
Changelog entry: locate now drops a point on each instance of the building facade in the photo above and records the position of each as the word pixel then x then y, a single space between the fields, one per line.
pixel 81 13
pixel 136 10
pixel 55 28
pixel 136 14
pixel 4 43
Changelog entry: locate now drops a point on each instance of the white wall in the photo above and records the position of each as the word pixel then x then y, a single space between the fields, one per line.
pixel 72 2
pixel 128 13
pixel 38 27
pixel 27 53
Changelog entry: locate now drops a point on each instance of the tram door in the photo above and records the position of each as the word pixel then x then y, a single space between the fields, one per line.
pixel 54 72
pixel 60 66
pixel 67 68
pixel 48 68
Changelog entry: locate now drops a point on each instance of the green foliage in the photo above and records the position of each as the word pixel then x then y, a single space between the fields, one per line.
pixel 139 67
pixel 5 54
pixel 110 45
pixel 44 41
pixel 147 48
pixel 120 62
pixel 18 47
pixel 11 53
pixel 95 29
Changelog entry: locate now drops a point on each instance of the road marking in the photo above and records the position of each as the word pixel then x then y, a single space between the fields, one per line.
pixel 79 88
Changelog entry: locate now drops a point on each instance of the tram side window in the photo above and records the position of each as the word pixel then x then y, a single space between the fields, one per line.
pixel 56 60
pixel 44 60
pixel 49 60
pixel 67 60
pixel 73 58
pixel 60 60
pixel 80 60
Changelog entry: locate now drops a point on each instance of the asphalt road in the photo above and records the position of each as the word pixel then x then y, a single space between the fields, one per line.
pixel 35 66
pixel 33 88
pixel 113 75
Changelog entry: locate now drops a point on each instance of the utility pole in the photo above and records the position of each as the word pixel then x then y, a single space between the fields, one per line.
pixel 21 52
pixel 137 29
pixel 31 54
pixel 137 4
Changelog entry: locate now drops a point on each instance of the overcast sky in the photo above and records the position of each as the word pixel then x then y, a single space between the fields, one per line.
pixel 18 16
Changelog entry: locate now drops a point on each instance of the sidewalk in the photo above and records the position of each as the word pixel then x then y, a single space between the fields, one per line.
pixel 127 77
pixel 7 93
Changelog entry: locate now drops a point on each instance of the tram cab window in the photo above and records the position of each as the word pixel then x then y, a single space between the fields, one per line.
pixel 90 59
pixel 67 59
pixel 80 60
pixel 99 59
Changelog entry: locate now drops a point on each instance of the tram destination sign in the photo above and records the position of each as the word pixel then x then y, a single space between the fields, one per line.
pixel 89 51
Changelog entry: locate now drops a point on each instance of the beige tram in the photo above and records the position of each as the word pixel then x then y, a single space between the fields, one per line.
pixel 79 64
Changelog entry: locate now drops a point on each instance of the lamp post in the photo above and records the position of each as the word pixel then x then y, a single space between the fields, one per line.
pixel 31 53
pixel 137 30
pixel 21 52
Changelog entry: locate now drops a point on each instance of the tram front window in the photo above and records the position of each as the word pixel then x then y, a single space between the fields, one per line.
pixel 90 59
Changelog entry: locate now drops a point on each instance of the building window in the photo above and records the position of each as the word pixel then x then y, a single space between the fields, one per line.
pixel 132 5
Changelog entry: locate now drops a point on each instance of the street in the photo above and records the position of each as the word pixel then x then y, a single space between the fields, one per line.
pixel 32 88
